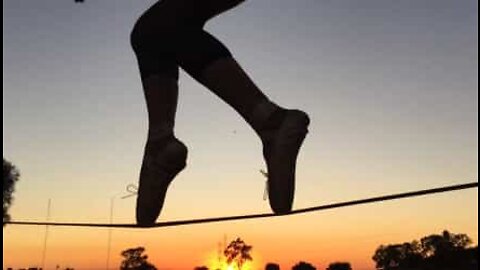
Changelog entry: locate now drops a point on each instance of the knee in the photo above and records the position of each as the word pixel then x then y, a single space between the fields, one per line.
pixel 198 50
pixel 135 37
pixel 140 36
pixel 151 33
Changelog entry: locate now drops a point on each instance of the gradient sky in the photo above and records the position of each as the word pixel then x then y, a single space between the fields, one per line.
pixel 390 86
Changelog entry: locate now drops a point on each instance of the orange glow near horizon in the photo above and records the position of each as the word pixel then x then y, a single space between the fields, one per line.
pixel 351 234
pixel 186 248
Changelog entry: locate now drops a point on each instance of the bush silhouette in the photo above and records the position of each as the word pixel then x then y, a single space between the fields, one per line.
pixel 303 266
pixel 10 176
pixel 340 266
pixel 272 266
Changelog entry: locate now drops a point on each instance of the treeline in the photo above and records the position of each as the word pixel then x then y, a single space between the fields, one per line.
pixel 446 251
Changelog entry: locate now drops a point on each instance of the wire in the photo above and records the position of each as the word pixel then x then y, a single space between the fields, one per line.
pixel 230 218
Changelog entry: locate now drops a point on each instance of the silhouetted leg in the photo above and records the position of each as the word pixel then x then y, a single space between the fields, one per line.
pixel 164 155
pixel 172 29
pixel 161 94
pixel 282 131
pixel 211 8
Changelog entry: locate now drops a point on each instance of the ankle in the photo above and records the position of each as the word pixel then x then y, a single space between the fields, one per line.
pixel 171 152
pixel 266 117
pixel 274 121
pixel 160 132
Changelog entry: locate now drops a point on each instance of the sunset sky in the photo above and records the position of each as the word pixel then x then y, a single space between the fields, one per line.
pixel 390 87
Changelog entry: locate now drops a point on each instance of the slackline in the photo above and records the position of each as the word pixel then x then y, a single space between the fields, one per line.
pixel 229 218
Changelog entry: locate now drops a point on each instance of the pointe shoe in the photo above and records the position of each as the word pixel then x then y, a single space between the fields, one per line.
pixel 280 150
pixel 159 168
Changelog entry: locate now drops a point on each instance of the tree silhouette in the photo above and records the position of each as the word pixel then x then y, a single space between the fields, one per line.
pixel 437 245
pixel 340 266
pixel 303 266
pixel 10 176
pixel 272 266
pixel 135 260
pixel 444 251
pixel 398 255
pixel 201 268
pixel 238 252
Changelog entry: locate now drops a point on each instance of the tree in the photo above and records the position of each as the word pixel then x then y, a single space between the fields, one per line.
pixel 438 245
pixel 340 266
pixel 445 250
pixel 201 268
pixel 238 252
pixel 398 255
pixel 135 260
pixel 10 176
pixel 303 266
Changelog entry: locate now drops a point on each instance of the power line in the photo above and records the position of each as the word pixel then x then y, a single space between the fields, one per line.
pixel 294 212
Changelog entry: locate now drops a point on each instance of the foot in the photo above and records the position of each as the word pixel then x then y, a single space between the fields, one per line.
pixel 280 150
pixel 161 163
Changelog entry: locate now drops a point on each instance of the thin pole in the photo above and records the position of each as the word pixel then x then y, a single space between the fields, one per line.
pixel 44 253
pixel 110 233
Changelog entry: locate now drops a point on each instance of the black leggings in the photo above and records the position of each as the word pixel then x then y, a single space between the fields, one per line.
pixel 170 34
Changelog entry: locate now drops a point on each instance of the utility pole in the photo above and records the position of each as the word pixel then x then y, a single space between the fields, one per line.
pixel 110 233
pixel 132 191
pixel 44 253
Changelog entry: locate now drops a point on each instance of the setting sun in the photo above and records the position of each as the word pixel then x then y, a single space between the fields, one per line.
pixel 237 255
pixel 222 265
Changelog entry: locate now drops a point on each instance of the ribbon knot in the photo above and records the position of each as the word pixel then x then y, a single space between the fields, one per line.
pixel 265 192
pixel 132 190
